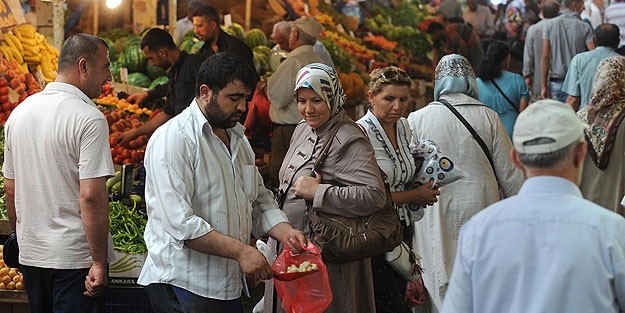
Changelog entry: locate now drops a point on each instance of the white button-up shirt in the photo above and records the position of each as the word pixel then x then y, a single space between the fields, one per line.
pixel 194 185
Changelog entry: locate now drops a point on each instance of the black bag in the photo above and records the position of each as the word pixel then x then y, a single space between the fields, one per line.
pixel 516 48
pixel 343 239
pixel 11 251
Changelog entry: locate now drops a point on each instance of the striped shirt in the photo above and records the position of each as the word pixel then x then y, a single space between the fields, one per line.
pixel 615 14
pixel 194 185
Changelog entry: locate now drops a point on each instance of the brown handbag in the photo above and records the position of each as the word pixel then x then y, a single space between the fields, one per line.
pixel 348 239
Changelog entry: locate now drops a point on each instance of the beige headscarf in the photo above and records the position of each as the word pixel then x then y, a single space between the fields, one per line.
pixel 606 109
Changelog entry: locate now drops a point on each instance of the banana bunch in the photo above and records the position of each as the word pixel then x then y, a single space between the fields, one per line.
pixel 13 50
pixel 37 52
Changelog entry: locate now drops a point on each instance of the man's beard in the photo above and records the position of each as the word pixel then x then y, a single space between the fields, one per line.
pixel 216 116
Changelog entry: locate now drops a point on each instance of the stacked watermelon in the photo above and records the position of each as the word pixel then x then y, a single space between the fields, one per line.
pixel 126 52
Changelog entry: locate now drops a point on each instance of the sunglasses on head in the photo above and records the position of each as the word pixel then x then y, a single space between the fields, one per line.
pixel 391 74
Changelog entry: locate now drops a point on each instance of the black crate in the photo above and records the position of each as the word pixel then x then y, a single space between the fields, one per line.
pixel 128 300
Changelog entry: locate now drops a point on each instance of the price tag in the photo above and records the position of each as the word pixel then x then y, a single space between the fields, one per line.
pixel 306 9
pixel 123 75
pixel 351 33
pixel 228 20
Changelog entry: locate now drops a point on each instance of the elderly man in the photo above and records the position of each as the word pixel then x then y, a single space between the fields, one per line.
pixel 283 111
pixel 481 18
pixel 546 249
pixel 579 78
pixel 280 36
pixel 558 50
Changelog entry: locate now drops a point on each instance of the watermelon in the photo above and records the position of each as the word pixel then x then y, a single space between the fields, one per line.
pixel 112 51
pixel 159 81
pixel 139 79
pixel 129 41
pixel 121 59
pixel 196 47
pixel 255 37
pixel 235 30
pixel 187 44
pixel 154 71
pixel 262 50
pixel 135 59
pixel 261 63
pixel 114 67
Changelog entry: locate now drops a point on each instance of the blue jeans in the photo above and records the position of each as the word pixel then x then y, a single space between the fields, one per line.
pixel 555 86
pixel 171 299
pixel 59 291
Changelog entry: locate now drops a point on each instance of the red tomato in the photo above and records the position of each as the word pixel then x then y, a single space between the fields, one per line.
pixel 4 82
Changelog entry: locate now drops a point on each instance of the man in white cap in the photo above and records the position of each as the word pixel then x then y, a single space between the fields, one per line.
pixel 546 249
pixel 283 111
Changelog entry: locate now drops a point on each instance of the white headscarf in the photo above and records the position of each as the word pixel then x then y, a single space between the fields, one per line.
pixel 454 74
pixel 324 81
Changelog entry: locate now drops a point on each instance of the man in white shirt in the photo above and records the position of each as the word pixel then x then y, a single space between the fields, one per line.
pixel 185 24
pixel 56 162
pixel 206 199
pixel 546 249
pixel 481 18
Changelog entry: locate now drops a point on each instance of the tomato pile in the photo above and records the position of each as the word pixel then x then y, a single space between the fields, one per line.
pixel 120 121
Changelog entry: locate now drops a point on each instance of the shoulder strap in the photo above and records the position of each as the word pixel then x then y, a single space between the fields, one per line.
pixel 326 146
pixel 504 95
pixel 475 135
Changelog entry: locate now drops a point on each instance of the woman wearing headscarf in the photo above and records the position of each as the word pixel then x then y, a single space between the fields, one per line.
pixel 436 234
pixel 501 90
pixel 349 183
pixel 390 136
pixel 603 177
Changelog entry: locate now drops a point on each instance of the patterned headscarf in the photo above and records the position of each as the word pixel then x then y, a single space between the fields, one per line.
pixel 324 81
pixel 454 74
pixel 606 109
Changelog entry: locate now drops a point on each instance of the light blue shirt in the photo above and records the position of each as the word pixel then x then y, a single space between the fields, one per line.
pixel 514 87
pixel 194 185
pixel 581 73
pixel 544 250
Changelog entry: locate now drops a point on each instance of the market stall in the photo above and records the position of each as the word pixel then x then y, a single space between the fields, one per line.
pixel 28 60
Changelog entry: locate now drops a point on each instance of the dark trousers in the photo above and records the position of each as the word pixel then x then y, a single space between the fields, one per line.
pixel 171 299
pixel 280 141
pixel 389 287
pixel 59 291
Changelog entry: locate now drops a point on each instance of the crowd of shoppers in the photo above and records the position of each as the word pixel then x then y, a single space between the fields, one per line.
pixel 526 165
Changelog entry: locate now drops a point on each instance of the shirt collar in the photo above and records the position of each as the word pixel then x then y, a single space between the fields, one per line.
pixel 550 184
pixel 199 117
pixel 64 87
pixel 300 50
pixel 570 13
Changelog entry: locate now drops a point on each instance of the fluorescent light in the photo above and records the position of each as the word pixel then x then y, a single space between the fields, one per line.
pixel 112 4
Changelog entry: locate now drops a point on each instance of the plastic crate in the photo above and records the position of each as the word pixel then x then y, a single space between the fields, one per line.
pixel 128 300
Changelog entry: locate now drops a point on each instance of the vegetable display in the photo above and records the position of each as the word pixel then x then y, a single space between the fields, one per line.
pixel 127 228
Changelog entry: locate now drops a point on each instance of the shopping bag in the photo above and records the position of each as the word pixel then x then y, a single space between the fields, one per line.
pixel 303 292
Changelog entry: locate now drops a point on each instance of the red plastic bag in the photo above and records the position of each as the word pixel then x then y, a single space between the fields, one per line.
pixel 302 293
pixel 416 293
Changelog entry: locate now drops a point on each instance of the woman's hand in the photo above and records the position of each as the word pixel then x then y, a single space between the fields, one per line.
pixel 425 195
pixel 306 186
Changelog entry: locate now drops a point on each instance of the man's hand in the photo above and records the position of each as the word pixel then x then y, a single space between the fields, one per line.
pixel 127 136
pixel 137 98
pixel 254 264
pixel 96 280
pixel 545 93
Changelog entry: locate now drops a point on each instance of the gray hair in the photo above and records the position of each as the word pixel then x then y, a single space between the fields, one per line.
pixel 547 160
pixel 283 28
pixel 79 46
pixel 306 38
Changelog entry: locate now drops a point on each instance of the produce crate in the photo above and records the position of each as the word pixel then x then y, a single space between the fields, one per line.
pixel 131 269
pixel 127 300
